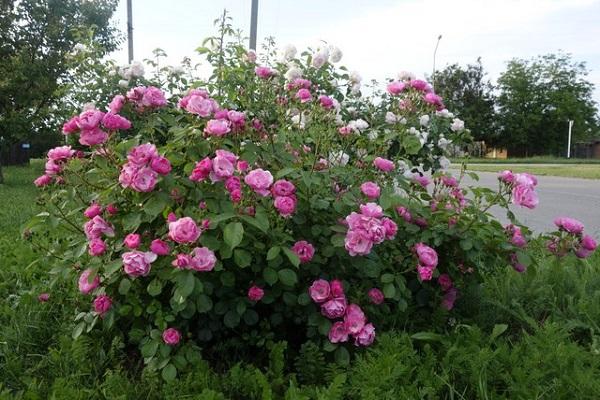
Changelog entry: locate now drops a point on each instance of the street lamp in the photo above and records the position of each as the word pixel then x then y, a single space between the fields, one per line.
pixel 130 31
pixel 571 122
pixel 253 23
pixel 434 53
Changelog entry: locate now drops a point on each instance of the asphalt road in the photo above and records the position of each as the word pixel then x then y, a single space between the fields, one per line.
pixel 559 196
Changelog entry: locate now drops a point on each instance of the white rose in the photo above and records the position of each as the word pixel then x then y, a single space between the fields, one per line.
pixel 79 47
pixel 354 77
pixel 335 54
pixel 444 163
pixel 372 135
pixel 124 83
pixel 424 120
pixel 320 59
pixel 293 73
pixel 125 72
pixel 137 69
pixel 406 76
pixel 390 118
pixel 457 125
pixel 289 52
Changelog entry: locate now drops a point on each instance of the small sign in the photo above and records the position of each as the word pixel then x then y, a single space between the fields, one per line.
pixel 25 146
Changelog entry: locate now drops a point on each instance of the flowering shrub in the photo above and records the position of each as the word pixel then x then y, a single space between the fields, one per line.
pixel 271 202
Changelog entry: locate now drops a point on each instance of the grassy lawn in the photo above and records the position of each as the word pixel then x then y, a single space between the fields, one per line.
pixel 527 160
pixel 587 171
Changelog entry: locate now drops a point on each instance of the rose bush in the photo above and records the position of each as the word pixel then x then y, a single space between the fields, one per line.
pixel 271 202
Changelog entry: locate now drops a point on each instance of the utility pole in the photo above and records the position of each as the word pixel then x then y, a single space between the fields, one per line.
pixel 571 122
pixel 253 23
pixel 129 31
pixel 434 53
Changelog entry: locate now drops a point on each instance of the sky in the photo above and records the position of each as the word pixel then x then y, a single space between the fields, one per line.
pixel 380 38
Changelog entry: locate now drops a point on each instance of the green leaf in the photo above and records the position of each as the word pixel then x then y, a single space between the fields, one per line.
pixel 293 257
pixel 273 252
pixel 466 244
pixel 156 204
pixel 169 372
pixel 233 234
pixel 149 349
pixel 131 221
pixel 204 303
pixel 155 287
pixel 250 317
pixel 389 290
pixel 498 330
pixel 231 319
pixel 342 356
pixel 185 283
pixel 220 218
pixel 283 172
pixel 259 221
pixel 270 276
pixel 242 258
pixel 112 267
pixel 427 337
pixel 78 330
pixel 387 278
pixel 338 240
pixel 124 286
pixel 287 277
pixel 411 144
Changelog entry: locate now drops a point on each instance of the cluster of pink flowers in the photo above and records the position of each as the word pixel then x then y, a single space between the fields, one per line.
pixel 95 228
pixel 220 168
pixel 299 83
pixel 383 164
pixel 146 97
pixel 367 228
pixel 395 88
pixel 198 102
pixel 284 198
pixel 55 163
pixel 89 124
pixel 143 167
pixel 332 300
pixel 516 236
pixel 264 72
pixel 573 239
pixel 450 292
pixel 427 260
pixel 201 259
pixel 88 282
pixel 522 187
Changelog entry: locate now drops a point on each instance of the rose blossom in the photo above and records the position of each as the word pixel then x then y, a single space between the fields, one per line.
pixel 160 165
pixel 159 247
pixel 421 180
pixel 203 259
pixel 61 153
pixel 390 228
pixel 263 72
pixel 259 180
pixel 181 261
pixel 337 289
pixel 506 176
pixel 395 88
pixel 144 180
pixel 90 119
pixel 383 164
pixel 525 196
pixel 43 297
pixel 115 122
pixel 255 293
pixel 96 247
pixel 371 190
pixel 137 263
pixel 97 226
pixel 354 319
pixel 326 102
pixel 338 333
pixel 427 256
pixel 444 281
pixel 366 336
pixel 171 336
pixel 102 304
pixel 357 242
pixel 449 299
pixel 425 273
pixel 283 188
pixel 570 225
pixel 589 243
pixel 184 230
pixel 304 95
pixel 202 170
pixel 85 286
pixel 132 241
pixel 334 308
pixel 304 250
pixel 43 180
pixel 319 291
pixel 218 127
pixel 376 296
pixel 371 210
pixel 93 210
pixel 404 213
pixel 71 126
pixel 153 97
pixel 286 205
pixel 91 137
pixel 116 104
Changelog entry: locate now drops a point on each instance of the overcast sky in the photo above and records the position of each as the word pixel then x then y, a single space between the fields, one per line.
pixel 382 37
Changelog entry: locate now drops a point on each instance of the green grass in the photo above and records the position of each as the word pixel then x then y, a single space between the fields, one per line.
pixel 527 160
pixel 521 336
pixel 586 171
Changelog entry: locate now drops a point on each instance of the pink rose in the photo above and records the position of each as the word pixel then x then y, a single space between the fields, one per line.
pixel 421 180
pixel 116 104
pixel 395 88
pixel 222 168
pixel 354 319
pixel 371 210
pixel 89 120
pixel 425 273
pixel 263 72
pixel 153 97
pixel 286 205
pixel 434 100
pixel 171 336
pixel 159 247
pixel 132 241
pixel 366 336
pixel 137 263
pixel 85 284
pixel 203 259
pixel 304 95
pixel 525 179
pixel 255 293
pixel 236 117
pixel 517 266
pixel 570 225
pixel 202 170
pixel 200 105
pixel 161 165
pixel 96 247
pixel 184 230
pixel 43 297
pixel 444 281
pixel 588 243
pixel 338 333
pixel 337 288
pixel 371 190
pixel 242 165
pixel 418 84
pixel 383 164
pixel 93 210
pixel 334 308
pixel 144 180
pixel 449 298
pixel 71 126
pixel 218 127
pixel 43 180
pixel 61 153
pixel 181 261
pixel 326 102
pixel 506 176
pixel 319 291
pixel 427 256
pixel 518 240
pixel 449 181
pixel 114 121
pixel 283 188
pixel 358 242
pixel 525 196
pixel 97 226
pixel 259 180
pixel 390 228
pixel 112 209
pixel 142 154
pixel 582 253
pixel 304 250
pixel 52 167
pixel 91 137
pixel 102 304
pixel 376 296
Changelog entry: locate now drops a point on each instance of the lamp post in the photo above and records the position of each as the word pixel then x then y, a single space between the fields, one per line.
pixel 253 23
pixel 571 122
pixel 434 53
pixel 129 31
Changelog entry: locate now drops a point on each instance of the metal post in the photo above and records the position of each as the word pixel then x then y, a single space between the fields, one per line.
pixel 571 122
pixel 253 23
pixel 434 53
pixel 130 31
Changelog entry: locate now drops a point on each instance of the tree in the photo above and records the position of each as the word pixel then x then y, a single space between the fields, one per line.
pixel 467 89
pixel 537 99
pixel 36 37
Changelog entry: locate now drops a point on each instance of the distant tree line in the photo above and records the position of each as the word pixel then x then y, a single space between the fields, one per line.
pixel 528 109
